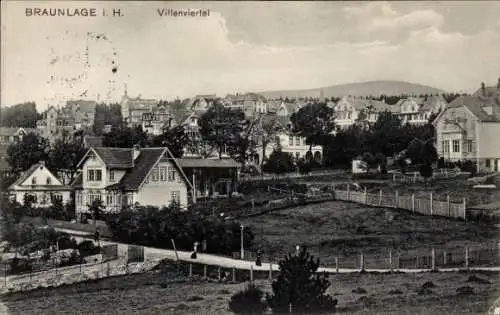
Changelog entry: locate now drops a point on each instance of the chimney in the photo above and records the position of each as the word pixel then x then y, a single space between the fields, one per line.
pixel 41 162
pixel 483 89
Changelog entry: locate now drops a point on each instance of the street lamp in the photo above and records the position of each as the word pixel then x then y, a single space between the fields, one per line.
pixel 242 249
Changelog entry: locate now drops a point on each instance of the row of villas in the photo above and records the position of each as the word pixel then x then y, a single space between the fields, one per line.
pixel 123 178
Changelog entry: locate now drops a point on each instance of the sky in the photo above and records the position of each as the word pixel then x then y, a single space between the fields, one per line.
pixel 242 47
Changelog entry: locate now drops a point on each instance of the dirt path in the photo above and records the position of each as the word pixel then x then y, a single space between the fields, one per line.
pixel 154 253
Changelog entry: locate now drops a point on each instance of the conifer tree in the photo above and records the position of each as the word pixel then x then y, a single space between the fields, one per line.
pixel 300 286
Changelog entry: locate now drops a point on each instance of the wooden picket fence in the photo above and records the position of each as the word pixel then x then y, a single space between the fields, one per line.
pixel 426 206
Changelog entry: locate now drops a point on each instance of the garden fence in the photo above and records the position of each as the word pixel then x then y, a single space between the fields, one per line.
pixel 425 206
pixel 414 177
pixel 460 258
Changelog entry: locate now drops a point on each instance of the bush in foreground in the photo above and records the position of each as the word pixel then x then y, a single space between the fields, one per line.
pixel 248 301
pixel 301 286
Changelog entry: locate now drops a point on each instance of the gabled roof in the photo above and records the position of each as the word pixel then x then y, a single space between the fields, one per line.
pixel 25 175
pixel 115 157
pixel 489 91
pixel 112 157
pixel 147 159
pixel 13 131
pixel 136 175
pixel 360 104
pixel 475 105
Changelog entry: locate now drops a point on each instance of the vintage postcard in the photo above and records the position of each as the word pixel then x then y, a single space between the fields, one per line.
pixel 250 157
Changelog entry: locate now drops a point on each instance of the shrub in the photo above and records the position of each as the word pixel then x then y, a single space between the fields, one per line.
pixel 279 162
pixel 87 248
pixel 20 265
pixel 301 286
pixel 248 301
pixel 151 226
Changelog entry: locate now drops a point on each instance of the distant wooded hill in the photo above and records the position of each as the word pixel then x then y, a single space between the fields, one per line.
pixel 373 88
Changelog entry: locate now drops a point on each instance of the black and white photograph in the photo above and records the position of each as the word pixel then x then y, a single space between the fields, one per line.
pixel 250 157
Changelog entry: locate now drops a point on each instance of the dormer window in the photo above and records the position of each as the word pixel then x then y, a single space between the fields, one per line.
pixel 33 181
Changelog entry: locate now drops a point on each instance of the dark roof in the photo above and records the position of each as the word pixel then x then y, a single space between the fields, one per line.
pixel 115 157
pixel 208 163
pixel 475 105
pixel 93 141
pixel 142 165
pixel 77 182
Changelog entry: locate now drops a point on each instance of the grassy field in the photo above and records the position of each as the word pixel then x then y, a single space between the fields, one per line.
pixel 345 229
pixel 149 293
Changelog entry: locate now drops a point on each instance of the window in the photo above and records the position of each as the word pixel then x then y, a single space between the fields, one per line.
pixel 488 164
pixel 171 175
pixel 154 175
pixel 109 199
pixel 90 175
pixel 297 141
pixel 33 181
pixel 163 173
pixel 446 146
pixel 179 179
pixel 49 181
pixel 469 145
pixel 111 175
pixel 78 198
pixel 176 196
pixel 456 145
pixel 290 141
pixel 304 141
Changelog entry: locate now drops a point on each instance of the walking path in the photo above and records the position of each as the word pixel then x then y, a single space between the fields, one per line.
pixel 226 262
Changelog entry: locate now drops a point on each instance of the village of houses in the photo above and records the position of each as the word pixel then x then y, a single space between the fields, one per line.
pixel 468 128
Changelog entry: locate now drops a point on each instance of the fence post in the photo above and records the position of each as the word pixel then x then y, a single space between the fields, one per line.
pixel 268 189
pixel 390 260
pixel 448 204
pixel 465 209
pixel 413 203
pixel 234 274
pixel 397 199
pixel 205 271
pixel 432 201
pixel 251 273
pixel 365 196
pixel 433 255
pixel 190 270
pixel 380 198
pixel 337 264
pixel 290 308
pixel 394 177
pixel 218 272
pixel 270 271
pixel 362 262
pixel 444 257
pixel 466 257
pixel 348 193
